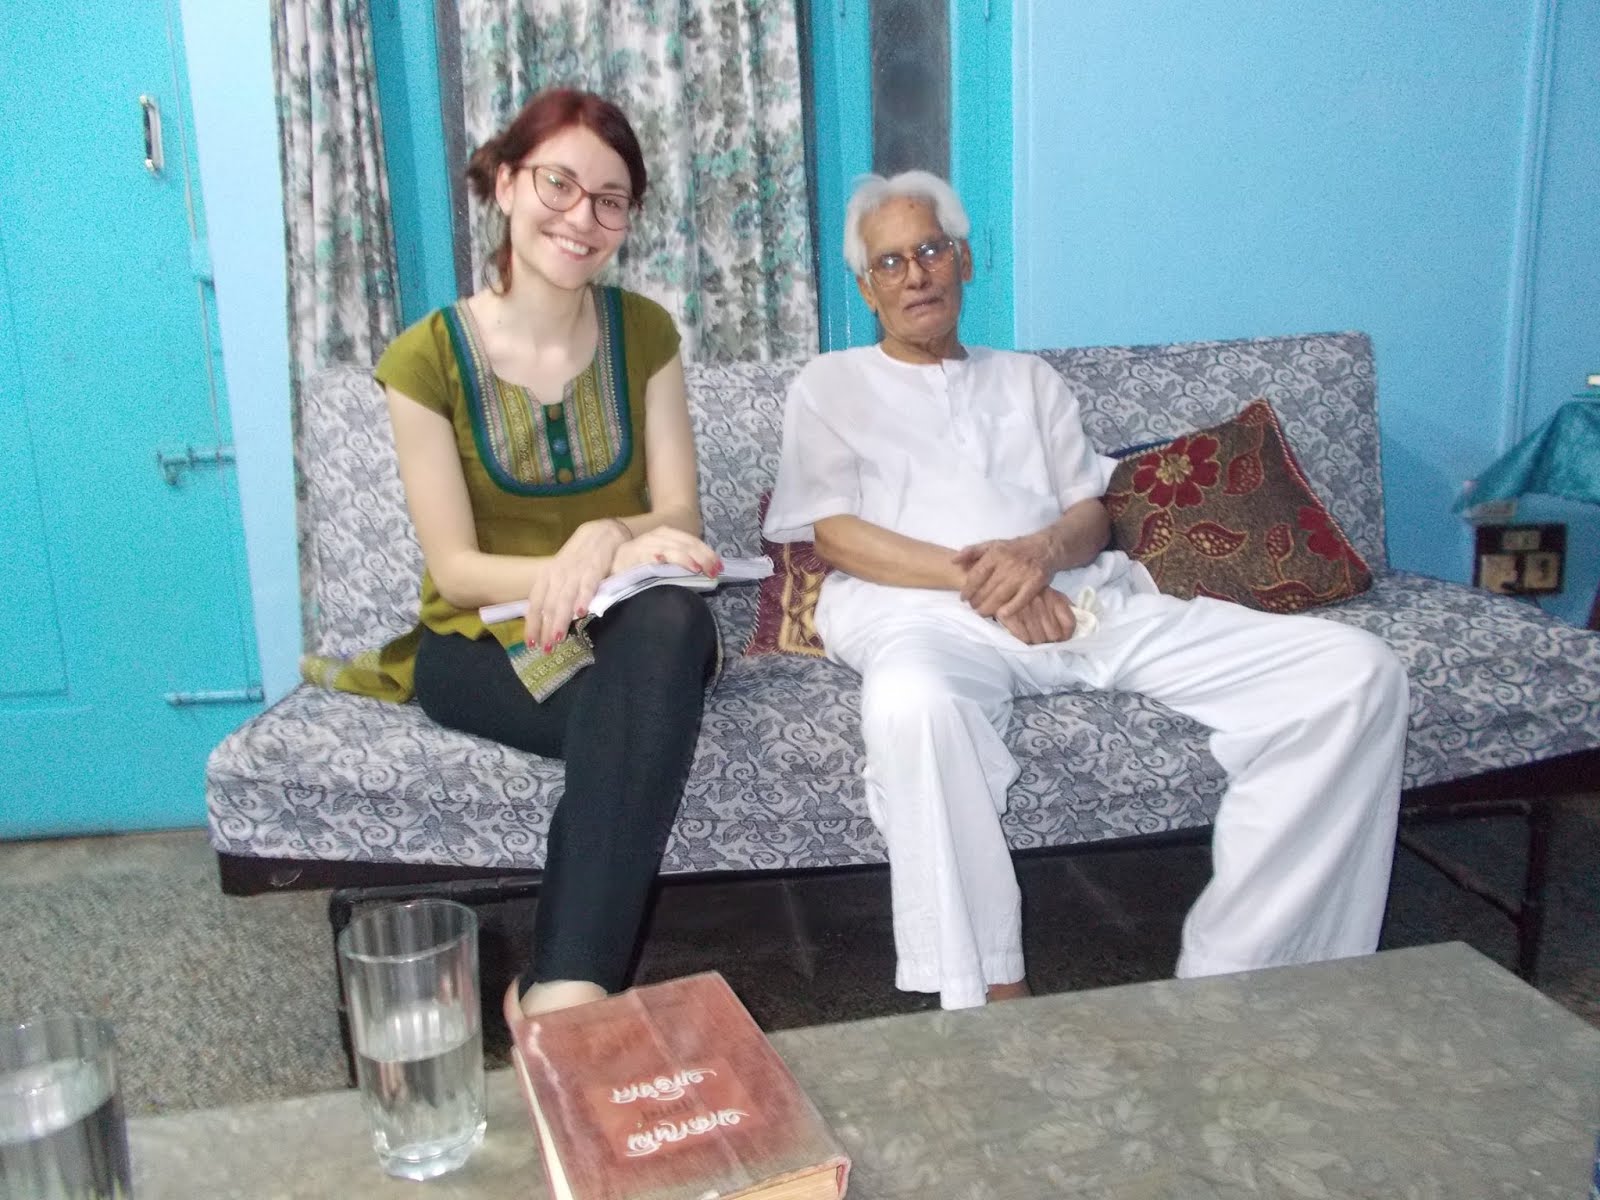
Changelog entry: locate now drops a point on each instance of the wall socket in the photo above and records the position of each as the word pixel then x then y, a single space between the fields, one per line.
pixel 1520 560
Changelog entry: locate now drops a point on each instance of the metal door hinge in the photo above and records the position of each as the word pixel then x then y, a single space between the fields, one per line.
pixel 249 695
pixel 174 465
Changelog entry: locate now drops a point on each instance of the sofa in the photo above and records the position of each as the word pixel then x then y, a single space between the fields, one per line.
pixel 329 789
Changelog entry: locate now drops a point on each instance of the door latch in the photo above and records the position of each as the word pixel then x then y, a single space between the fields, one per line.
pixel 174 465
pixel 247 695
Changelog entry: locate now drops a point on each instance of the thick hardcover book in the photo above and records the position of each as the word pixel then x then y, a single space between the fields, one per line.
pixel 671 1092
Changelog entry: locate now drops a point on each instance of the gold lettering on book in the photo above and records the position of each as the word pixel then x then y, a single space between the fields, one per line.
pixel 662 1087
pixel 667 1132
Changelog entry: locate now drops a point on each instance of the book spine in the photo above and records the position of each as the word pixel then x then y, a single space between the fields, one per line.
pixel 554 1175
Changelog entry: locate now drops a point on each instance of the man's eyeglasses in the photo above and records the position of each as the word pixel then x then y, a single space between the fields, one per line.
pixel 561 193
pixel 931 256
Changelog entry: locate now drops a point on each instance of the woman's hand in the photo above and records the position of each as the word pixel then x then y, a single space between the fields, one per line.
pixel 665 544
pixel 564 583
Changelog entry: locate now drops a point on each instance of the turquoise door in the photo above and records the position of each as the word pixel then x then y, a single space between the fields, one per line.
pixel 125 649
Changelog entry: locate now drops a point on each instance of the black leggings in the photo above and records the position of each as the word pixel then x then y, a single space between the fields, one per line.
pixel 627 726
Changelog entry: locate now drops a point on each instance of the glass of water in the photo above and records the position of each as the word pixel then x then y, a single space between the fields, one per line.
pixel 411 985
pixel 62 1136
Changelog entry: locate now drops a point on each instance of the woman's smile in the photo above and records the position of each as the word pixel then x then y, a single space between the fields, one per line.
pixel 570 246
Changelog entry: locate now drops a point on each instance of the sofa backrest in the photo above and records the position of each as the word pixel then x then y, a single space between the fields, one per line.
pixel 361 564
pixel 1322 387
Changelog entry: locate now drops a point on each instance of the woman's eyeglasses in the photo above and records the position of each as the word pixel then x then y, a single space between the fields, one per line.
pixel 560 192
pixel 931 256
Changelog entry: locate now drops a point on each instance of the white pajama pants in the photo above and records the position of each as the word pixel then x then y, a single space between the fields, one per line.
pixel 1308 719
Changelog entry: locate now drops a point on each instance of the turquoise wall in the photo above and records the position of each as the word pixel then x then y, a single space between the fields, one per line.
pixel 228 50
pixel 1231 168
pixel 1563 277
pixel 1564 271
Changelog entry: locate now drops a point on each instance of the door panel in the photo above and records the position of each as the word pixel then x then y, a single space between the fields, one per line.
pixel 134 579
pixel 31 658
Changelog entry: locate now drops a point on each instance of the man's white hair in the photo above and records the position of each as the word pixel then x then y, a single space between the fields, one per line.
pixel 872 191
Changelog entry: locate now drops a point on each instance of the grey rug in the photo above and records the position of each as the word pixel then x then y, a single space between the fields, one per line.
pixel 220 1000
pixel 215 1000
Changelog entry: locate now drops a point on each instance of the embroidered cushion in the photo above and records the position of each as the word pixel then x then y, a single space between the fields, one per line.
pixel 1226 512
pixel 786 606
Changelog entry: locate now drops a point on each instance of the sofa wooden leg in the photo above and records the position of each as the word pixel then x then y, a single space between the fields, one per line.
pixel 1527 910
pixel 341 907
pixel 1530 916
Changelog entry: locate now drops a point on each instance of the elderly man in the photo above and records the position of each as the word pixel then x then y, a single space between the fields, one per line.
pixel 954 493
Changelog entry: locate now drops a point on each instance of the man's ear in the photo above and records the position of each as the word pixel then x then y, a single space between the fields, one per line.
pixel 965 250
pixel 864 286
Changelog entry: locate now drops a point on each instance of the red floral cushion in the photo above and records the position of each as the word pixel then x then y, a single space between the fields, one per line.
pixel 1226 512
pixel 786 605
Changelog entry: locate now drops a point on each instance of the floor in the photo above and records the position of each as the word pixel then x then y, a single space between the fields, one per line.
pixel 821 949
pixel 221 1000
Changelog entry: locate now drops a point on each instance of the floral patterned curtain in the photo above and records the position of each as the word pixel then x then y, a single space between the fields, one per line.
pixel 712 88
pixel 340 245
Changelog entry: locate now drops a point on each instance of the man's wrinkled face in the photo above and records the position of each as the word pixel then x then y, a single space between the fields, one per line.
pixel 922 305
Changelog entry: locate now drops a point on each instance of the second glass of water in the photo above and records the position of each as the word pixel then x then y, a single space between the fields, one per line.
pixel 62 1136
pixel 411 985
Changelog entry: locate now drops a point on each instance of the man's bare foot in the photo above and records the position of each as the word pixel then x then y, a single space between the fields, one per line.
pixel 547 997
pixel 1008 991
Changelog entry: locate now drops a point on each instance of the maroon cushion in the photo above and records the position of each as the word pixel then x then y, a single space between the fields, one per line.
pixel 786 605
pixel 1226 512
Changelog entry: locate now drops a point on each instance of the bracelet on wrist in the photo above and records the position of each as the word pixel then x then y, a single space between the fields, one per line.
pixel 627 534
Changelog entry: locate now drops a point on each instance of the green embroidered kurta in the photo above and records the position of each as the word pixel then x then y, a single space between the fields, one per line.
pixel 534 472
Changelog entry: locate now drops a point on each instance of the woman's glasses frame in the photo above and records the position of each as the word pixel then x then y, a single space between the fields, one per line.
pixel 560 192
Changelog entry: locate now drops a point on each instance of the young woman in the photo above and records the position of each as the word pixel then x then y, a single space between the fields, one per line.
pixel 544 443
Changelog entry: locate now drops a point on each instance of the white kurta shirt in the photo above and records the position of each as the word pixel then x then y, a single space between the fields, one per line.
pixel 962 451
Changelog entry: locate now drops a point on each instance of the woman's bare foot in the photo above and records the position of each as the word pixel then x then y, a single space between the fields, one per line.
pixel 547 997
pixel 1008 991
